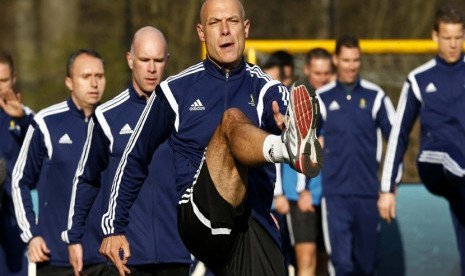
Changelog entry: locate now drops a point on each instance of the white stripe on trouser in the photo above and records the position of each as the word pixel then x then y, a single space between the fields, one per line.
pixel 324 219
pixel 206 222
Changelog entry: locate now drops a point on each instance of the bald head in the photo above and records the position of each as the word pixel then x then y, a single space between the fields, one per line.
pixel 147 59
pixel 148 33
pixel 203 9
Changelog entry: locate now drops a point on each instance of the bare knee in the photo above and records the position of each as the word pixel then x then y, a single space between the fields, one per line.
pixel 233 115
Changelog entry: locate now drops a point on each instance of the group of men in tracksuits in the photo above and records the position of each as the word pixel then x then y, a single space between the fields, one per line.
pixel 65 144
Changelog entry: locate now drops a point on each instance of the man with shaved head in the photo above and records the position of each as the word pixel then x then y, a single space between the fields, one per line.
pixel 217 115
pixel 156 247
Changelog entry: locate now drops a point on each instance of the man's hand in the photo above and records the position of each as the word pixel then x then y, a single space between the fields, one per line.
pixel 387 206
pixel 37 250
pixel 305 201
pixel 281 204
pixel 75 257
pixel 279 118
pixel 11 104
pixel 111 248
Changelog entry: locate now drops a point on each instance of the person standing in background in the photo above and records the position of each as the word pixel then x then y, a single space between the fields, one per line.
pixel 14 120
pixel 48 160
pixel 435 94
pixel 156 248
pixel 355 114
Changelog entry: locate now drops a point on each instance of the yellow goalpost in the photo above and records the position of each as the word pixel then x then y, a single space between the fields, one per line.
pixel 368 46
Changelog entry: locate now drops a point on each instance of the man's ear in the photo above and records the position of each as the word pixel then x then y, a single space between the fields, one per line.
pixel 435 36
pixel 130 60
pixel 69 83
pixel 200 32
pixel 246 27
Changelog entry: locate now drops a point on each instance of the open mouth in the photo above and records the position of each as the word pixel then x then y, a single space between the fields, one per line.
pixel 226 45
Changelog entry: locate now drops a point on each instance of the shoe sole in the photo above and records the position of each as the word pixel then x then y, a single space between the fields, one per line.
pixel 307 112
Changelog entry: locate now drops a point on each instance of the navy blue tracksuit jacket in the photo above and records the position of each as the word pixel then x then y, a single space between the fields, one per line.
pixel 152 231
pixel 12 249
pixel 353 121
pixel 48 161
pixel 186 109
pixel 435 93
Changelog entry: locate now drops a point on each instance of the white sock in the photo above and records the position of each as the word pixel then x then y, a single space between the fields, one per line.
pixel 274 150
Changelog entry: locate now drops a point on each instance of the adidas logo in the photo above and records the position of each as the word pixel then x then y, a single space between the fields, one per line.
pixel 197 105
pixel 334 106
pixel 430 88
pixel 126 130
pixel 65 139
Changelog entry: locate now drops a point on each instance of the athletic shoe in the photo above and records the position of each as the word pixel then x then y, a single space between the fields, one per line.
pixel 304 149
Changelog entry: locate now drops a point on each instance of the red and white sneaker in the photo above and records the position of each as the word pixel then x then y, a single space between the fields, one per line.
pixel 304 149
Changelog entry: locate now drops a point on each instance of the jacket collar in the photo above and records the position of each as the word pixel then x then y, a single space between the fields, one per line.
pixel 217 71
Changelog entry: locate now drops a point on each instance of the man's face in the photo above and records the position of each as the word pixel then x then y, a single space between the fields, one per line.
pixel 449 38
pixel 318 71
pixel 224 32
pixel 348 64
pixel 7 79
pixel 148 62
pixel 87 81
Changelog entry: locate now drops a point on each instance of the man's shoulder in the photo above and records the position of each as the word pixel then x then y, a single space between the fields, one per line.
pixel 327 89
pixel 187 75
pixel 114 102
pixel 53 110
pixel 424 68
pixel 371 86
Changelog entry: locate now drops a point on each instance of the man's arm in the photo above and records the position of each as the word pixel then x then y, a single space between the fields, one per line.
pixel 281 203
pixel 305 201
pixel 24 178
pixel 87 181
pixel 153 128
pixel 405 116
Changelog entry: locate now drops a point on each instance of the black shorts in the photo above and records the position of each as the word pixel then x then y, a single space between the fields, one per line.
pixel 226 239
pixel 305 226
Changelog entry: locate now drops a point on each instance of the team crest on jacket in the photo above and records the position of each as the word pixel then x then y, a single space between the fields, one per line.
pixel 363 103
pixel 13 126
pixel 252 101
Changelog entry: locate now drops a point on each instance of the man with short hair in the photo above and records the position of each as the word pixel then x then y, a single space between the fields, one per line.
pixel 300 196
pixel 48 160
pixel 354 115
pixel 156 248
pixel 219 103
pixel 280 66
pixel 435 94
